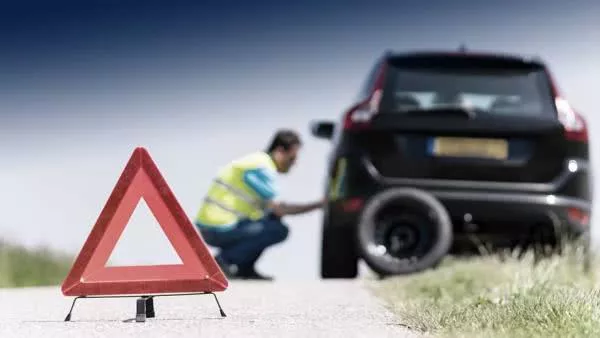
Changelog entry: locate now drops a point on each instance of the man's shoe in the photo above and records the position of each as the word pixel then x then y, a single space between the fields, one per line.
pixel 251 274
pixel 232 271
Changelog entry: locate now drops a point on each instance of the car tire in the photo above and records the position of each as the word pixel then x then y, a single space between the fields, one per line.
pixel 338 254
pixel 412 209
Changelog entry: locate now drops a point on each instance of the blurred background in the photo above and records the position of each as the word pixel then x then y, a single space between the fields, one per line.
pixel 199 83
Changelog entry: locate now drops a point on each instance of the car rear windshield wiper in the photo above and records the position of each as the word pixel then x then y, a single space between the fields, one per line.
pixel 452 109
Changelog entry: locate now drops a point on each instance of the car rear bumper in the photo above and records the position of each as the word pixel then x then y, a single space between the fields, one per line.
pixel 496 213
pixel 496 216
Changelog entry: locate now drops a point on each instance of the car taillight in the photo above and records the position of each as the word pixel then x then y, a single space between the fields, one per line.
pixel 580 216
pixel 353 204
pixel 574 124
pixel 359 116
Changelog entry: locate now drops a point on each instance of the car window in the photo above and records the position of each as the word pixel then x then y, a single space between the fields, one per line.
pixel 501 91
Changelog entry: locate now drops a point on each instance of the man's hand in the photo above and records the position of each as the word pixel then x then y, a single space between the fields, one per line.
pixel 280 209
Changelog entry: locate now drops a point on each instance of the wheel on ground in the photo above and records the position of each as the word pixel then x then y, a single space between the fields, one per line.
pixel 338 254
pixel 403 231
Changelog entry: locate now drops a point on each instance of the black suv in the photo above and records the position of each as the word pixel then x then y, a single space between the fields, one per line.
pixel 449 152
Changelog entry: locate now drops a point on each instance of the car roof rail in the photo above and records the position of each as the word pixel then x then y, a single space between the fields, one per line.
pixel 537 58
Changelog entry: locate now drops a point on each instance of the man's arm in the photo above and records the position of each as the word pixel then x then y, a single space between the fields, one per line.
pixel 263 183
pixel 281 208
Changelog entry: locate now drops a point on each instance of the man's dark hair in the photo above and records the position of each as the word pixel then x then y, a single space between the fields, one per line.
pixel 284 138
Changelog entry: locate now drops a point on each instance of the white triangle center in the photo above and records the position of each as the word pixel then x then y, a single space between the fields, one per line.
pixel 143 242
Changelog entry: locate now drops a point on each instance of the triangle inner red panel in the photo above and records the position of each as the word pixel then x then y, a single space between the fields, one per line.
pixel 90 275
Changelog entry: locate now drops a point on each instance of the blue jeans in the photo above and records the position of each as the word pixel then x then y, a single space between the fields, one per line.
pixel 243 244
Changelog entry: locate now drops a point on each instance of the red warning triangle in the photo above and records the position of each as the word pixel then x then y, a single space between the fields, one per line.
pixel 90 275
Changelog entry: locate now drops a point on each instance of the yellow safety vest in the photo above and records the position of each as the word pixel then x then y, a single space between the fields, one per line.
pixel 229 198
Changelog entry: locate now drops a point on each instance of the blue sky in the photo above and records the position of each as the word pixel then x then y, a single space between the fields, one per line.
pixel 83 83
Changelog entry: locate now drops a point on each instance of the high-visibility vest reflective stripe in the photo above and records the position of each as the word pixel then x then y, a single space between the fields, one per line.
pixel 224 207
pixel 250 200
pixel 229 198
pixel 257 203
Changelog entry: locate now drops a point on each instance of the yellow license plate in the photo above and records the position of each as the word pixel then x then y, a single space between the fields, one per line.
pixel 471 147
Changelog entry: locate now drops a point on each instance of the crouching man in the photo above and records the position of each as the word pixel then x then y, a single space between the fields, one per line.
pixel 239 214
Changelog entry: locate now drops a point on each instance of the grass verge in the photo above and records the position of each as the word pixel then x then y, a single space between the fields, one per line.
pixel 499 297
pixel 21 267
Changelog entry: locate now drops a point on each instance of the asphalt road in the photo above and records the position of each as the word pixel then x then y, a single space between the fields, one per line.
pixel 254 309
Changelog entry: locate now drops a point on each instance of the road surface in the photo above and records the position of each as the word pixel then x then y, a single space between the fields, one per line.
pixel 254 309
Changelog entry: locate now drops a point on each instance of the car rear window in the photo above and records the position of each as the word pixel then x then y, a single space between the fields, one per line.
pixel 495 86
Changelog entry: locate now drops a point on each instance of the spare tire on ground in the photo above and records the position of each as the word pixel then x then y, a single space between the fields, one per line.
pixel 403 231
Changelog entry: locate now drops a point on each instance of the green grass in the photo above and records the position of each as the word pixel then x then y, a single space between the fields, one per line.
pixel 22 267
pixel 491 297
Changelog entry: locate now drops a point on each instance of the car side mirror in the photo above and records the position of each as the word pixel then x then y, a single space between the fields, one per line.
pixel 322 129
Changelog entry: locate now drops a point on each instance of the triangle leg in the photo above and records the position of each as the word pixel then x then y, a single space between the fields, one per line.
pixel 68 317
pixel 219 305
